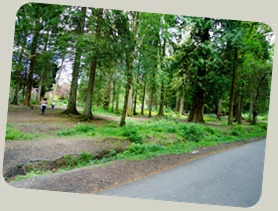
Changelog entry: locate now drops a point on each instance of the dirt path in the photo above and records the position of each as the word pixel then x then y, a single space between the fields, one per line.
pixel 21 153
pixel 103 177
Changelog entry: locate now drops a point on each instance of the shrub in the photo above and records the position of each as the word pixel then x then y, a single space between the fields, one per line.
pixel 132 134
pixel 138 149
pixel 235 133
pixel 192 132
pixel 84 157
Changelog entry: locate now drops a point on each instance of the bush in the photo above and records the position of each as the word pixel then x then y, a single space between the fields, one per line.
pixel 84 157
pixel 138 149
pixel 192 132
pixel 132 134
pixel 235 133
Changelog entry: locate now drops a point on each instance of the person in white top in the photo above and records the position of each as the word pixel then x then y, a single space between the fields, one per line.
pixel 53 104
pixel 44 103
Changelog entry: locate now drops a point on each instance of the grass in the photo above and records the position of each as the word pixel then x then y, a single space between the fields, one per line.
pixel 14 134
pixel 187 138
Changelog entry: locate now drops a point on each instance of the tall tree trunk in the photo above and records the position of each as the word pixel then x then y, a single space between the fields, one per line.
pixel 135 103
pixel 219 109
pixel 239 107
pixel 161 105
pixel 23 92
pixel 177 107
pixel 135 93
pixel 162 93
pixel 232 93
pixel 71 108
pixel 118 97
pixel 196 112
pixel 151 102
pixel 127 91
pixel 152 94
pixel 143 98
pixel 39 90
pixel 88 106
pixel 113 94
pixel 42 72
pixel 107 94
pixel 134 27
pixel 129 111
pixel 100 92
pixel 32 64
pixel 89 100
pixel 181 107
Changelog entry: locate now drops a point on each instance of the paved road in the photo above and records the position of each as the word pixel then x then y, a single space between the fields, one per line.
pixel 231 178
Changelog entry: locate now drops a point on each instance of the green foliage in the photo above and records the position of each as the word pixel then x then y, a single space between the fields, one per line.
pixel 192 132
pixel 14 134
pixel 133 135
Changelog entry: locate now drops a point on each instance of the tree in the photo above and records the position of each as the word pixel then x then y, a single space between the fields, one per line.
pixel 79 18
pixel 130 55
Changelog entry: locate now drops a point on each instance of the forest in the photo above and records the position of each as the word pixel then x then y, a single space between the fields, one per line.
pixel 135 63
pixel 131 85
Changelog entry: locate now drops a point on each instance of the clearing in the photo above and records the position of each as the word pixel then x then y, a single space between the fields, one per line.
pixel 45 156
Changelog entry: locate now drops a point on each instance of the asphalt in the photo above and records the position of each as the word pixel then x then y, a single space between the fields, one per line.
pixel 231 178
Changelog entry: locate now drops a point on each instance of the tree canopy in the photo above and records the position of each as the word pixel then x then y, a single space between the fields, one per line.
pixel 135 62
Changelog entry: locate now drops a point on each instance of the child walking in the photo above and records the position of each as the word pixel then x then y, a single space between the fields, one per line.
pixel 53 104
pixel 44 103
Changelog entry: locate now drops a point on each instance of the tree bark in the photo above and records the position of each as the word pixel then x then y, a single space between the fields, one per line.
pixel 118 97
pixel 181 106
pixel 196 112
pixel 161 105
pixel 135 103
pixel 232 93
pixel 143 98
pixel 88 106
pixel 71 108
pixel 152 94
pixel 129 111
pixel 89 101
pixel 32 64
pixel 107 94
pixel 134 27
pixel 239 107
pixel 177 107
pixel 219 110
pixel 113 94
pixel 151 102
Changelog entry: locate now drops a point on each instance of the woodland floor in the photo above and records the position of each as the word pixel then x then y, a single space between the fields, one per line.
pixel 91 179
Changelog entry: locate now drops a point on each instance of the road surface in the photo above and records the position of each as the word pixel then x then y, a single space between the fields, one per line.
pixel 231 178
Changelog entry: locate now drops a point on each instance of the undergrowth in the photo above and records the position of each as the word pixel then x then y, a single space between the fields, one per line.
pixel 14 134
pixel 148 139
